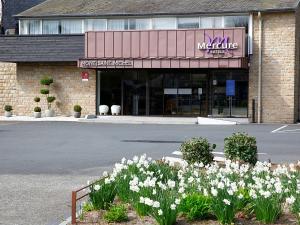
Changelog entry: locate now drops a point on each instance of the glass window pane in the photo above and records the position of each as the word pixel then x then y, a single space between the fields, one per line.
pixel 192 22
pixel 207 22
pixel 211 22
pixel 218 22
pixel 94 25
pixel 236 21
pixel 71 26
pixel 34 27
pixel 139 24
pixel 164 23
pixel 24 27
pixel 117 24
pixel 50 27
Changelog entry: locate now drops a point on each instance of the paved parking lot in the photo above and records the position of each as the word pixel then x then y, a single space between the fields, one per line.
pixel 42 162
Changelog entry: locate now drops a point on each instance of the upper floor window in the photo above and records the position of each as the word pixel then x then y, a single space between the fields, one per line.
pixel 79 26
pixel 30 27
pixel 164 23
pixel 236 21
pixel 140 24
pixel 71 26
pixel 212 22
pixel 94 25
pixel 50 27
pixel 186 23
pixel 117 24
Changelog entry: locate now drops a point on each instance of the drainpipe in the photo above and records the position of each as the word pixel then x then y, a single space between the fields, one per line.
pixel 259 108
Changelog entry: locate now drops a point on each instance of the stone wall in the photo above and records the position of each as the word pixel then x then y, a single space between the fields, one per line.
pixel 68 88
pixel 7 85
pixel 297 89
pixel 279 68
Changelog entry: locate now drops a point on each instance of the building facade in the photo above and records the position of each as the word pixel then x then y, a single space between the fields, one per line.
pixel 171 58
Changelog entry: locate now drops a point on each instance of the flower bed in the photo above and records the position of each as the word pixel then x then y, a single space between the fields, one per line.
pixel 163 193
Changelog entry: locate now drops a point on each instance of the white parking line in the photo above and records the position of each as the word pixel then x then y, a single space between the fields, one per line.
pixel 295 130
pixel 279 129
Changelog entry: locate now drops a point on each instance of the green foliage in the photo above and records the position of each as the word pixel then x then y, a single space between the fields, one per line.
pixel 8 108
pixel 37 99
pixel 196 206
pixel 50 99
pixel 267 210
pixel 241 147
pixel 37 109
pixel 197 150
pixel 116 214
pixel 77 108
pixel 102 194
pixel 87 207
pixel 44 91
pixel 46 80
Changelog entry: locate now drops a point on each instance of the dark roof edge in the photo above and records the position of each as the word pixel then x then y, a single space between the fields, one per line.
pixel 293 9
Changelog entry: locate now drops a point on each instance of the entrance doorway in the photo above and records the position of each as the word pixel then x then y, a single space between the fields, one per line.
pixel 175 92
pixel 186 94
pixel 133 97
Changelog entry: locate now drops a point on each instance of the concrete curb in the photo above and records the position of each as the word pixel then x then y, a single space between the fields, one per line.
pixel 128 120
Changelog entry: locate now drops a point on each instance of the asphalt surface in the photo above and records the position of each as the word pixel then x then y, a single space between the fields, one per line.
pixel 42 162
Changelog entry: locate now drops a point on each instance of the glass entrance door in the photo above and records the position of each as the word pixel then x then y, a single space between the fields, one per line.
pixel 186 94
pixel 229 93
pixel 134 97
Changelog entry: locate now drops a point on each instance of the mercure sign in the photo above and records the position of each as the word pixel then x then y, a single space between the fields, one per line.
pixel 217 45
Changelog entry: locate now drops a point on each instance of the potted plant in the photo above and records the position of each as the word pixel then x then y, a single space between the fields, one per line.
pixel 77 111
pixel 50 112
pixel 47 81
pixel 37 112
pixel 8 111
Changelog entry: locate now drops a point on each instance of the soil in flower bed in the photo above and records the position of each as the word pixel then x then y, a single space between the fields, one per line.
pixel 95 218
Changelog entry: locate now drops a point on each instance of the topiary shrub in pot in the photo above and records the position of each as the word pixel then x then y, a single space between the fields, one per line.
pixel 198 150
pixel 8 110
pixel 50 112
pixel 241 147
pixel 47 81
pixel 37 112
pixel 77 111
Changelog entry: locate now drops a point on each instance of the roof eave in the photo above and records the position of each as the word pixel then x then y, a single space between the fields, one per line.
pixel 156 14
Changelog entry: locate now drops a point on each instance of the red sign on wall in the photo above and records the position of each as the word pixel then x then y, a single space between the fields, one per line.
pixel 85 76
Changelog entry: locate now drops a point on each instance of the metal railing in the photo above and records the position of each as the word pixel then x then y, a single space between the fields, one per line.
pixel 75 199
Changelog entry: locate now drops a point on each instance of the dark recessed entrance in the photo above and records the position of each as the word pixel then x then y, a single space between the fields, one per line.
pixel 174 92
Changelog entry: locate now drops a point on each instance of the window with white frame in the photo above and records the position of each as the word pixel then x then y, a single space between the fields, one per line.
pixel 164 23
pixel 79 26
pixel 51 27
pixel 187 23
pixel 117 24
pixel 30 27
pixel 73 26
pixel 94 24
pixel 140 24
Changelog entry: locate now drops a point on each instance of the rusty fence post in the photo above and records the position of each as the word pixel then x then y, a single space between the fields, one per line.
pixel 73 213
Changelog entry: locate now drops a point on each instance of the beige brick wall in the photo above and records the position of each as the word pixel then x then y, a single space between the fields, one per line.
pixel 7 85
pixel 68 88
pixel 279 68
pixel 297 82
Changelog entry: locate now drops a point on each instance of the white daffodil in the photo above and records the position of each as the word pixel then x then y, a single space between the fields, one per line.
pixel 156 204
pixel 226 201
pixel 291 200
pixel 97 187
pixel 173 206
